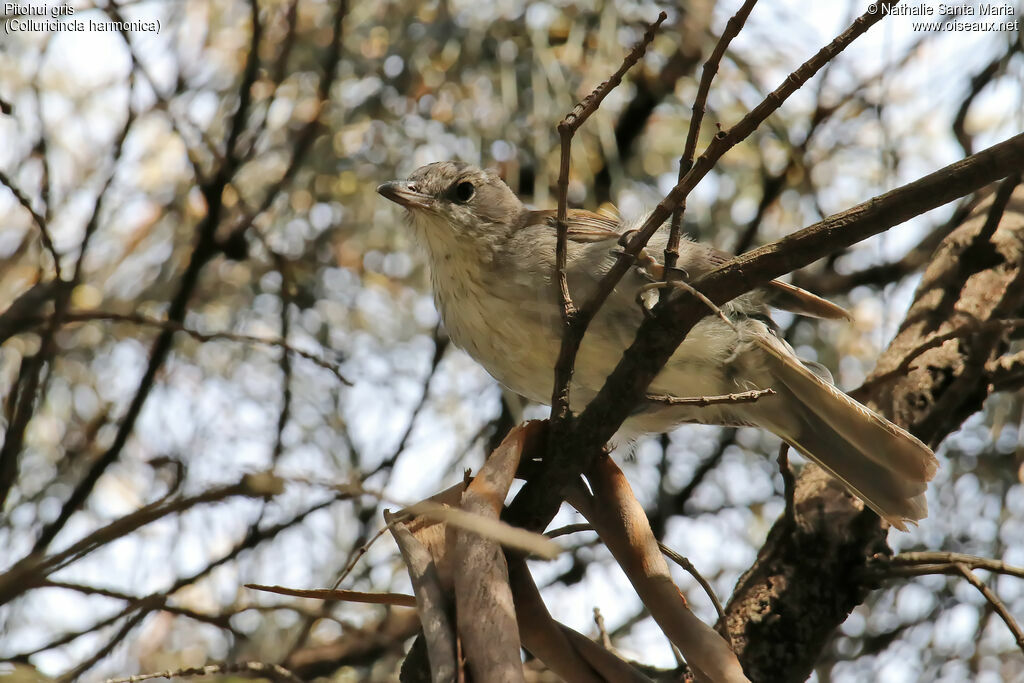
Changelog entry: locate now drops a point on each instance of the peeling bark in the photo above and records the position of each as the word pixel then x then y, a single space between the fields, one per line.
pixel 814 570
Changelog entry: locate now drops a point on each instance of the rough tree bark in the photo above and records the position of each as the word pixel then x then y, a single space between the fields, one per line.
pixel 814 569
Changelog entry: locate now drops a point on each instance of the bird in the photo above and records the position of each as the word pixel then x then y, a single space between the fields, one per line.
pixel 492 270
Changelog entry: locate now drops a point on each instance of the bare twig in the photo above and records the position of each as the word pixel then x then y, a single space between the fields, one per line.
pixel 44 230
pixel 720 144
pixel 566 129
pixel 303 140
pixel 702 401
pixel 917 563
pixel 279 69
pixel 357 555
pixel 205 248
pixel 602 632
pixel 688 567
pixel 732 29
pixel 24 574
pixel 24 409
pixel 127 627
pixel 568 529
pixel 158 601
pixel 286 360
pixel 996 603
pixel 222 621
pixel 671 554
pixel 274 672
pixel 175 326
pixel 978 83
pixel 393 599
pixel 441 343
pixel 998 207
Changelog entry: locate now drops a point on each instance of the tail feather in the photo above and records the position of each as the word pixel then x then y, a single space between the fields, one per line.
pixel 880 463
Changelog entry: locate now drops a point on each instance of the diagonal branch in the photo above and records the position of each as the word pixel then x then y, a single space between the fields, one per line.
pixel 997 604
pixel 44 230
pixel 732 29
pixel 33 569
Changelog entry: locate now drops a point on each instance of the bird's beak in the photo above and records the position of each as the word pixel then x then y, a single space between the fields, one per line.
pixel 404 193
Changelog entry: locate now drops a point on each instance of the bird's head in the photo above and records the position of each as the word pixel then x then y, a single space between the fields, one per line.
pixel 453 202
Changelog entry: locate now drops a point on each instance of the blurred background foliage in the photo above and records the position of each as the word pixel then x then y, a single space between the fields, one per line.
pixel 120 137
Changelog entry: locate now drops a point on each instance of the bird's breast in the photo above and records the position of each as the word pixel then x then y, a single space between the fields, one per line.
pixel 515 338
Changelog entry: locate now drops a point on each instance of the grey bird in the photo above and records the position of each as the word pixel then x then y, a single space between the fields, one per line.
pixel 492 269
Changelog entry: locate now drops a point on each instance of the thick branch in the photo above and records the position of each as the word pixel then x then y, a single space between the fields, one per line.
pixel 810 574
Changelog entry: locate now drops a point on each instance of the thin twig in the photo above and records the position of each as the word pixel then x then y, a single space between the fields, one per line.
pixel 566 130
pixel 122 633
pixel 304 139
pixel 602 632
pixel 999 203
pixel 701 401
pixel 155 601
pixel 222 621
pixel 393 599
pixel 978 83
pixel 178 121
pixel 441 344
pixel 671 554
pixel 688 567
pixel 915 563
pixel 274 672
pixel 959 564
pixel 732 29
pixel 357 555
pixel 282 266
pixel 568 529
pixel 720 144
pixel 996 603
pixel 678 500
pixel 44 230
pixel 33 568
pixel 34 387
pixel 175 326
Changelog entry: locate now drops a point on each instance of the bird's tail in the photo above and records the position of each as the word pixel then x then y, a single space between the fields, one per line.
pixel 880 463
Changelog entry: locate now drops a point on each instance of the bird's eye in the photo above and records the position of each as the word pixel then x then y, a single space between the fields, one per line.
pixel 464 192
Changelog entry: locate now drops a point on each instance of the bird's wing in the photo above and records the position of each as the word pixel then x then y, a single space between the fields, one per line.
pixel 584 226
pixel 587 227
pixel 781 295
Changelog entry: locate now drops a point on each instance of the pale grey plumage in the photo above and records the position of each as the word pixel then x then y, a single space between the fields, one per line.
pixel 492 269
